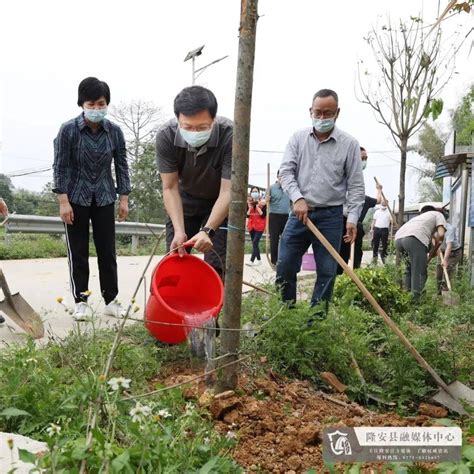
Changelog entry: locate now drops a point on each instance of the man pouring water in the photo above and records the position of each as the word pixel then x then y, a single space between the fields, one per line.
pixel 194 158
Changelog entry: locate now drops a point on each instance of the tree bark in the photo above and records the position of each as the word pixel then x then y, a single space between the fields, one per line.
pixel 401 192
pixel 403 167
pixel 240 170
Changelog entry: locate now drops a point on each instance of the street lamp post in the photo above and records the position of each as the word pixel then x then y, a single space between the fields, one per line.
pixel 193 55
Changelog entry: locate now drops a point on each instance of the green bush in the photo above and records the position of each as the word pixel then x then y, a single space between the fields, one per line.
pixel 382 283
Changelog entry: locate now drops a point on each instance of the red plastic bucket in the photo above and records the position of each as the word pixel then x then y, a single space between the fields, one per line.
pixel 183 291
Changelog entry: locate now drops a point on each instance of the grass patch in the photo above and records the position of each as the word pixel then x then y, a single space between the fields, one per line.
pixel 442 334
pixel 46 393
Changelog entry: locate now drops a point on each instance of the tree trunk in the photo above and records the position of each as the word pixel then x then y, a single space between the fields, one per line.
pixel 403 169
pixel 401 191
pixel 240 170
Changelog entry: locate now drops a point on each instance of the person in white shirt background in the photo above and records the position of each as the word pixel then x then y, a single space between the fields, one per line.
pixel 380 229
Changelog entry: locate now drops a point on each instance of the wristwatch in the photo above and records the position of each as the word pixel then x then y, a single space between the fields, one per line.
pixel 210 232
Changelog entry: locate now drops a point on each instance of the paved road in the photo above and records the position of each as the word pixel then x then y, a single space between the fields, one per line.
pixel 41 281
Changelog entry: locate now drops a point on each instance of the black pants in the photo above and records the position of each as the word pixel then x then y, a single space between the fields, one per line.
pixel 276 225
pixel 380 236
pixel 255 235
pixel 196 214
pixel 345 250
pixel 77 238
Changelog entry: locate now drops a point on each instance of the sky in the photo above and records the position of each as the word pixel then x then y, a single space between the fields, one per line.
pixel 138 48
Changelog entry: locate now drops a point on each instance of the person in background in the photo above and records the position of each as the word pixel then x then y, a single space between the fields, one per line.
pixel 379 230
pixel 413 241
pixel 279 203
pixel 3 213
pixel 452 255
pixel 320 171
pixel 194 158
pixel 369 202
pixel 256 222
pixel 84 150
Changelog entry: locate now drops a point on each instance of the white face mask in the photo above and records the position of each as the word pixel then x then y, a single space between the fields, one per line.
pixel 195 139
pixel 364 165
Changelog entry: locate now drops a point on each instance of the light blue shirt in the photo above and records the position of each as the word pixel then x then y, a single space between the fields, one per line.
pixel 326 173
pixel 279 201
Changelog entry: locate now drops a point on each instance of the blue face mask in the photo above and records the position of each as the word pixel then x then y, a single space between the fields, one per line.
pixel 255 196
pixel 95 115
pixel 323 125
pixel 364 165
pixel 195 139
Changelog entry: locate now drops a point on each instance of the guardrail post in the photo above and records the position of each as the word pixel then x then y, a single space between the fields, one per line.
pixel 135 241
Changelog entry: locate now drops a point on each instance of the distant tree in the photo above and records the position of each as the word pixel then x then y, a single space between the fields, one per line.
pixel 147 194
pixel 48 204
pixel 431 143
pixel 463 119
pixel 429 190
pixel 412 69
pixel 25 201
pixel 140 120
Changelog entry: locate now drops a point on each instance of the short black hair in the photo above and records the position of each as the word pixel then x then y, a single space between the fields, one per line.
pixel 427 208
pixel 362 148
pixel 326 93
pixel 194 99
pixel 91 88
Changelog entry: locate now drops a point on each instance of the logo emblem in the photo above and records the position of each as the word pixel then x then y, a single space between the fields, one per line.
pixel 339 443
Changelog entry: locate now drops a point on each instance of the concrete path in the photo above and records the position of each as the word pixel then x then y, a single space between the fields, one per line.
pixel 42 281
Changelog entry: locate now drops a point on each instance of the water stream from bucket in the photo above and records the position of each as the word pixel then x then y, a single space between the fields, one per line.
pixel 201 337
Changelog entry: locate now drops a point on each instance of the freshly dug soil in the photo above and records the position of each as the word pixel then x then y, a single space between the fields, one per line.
pixel 278 423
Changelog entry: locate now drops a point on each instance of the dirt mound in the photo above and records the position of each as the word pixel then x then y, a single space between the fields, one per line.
pixel 278 423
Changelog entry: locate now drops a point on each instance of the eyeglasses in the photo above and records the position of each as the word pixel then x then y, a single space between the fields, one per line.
pixel 327 114
pixel 197 128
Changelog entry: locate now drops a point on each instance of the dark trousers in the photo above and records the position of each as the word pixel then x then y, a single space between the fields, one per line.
pixel 295 241
pixel 380 236
pixel 255 235
pixel 77 238
pixel 415 254
pixel 196 213
pixel 345 249
pixel 276 226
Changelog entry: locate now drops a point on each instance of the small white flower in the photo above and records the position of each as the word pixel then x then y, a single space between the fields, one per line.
pixel 139 411
pixel 189 409
pixel 53 430
pixel 117 382
pixel 34 361
pixel 164 413
pixel 231 435
pixel 207 440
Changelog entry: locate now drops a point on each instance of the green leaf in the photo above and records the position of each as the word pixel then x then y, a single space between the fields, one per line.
pixel 26 456
pixel 209 466
pixel 468 452
pixel 11 412
pixel 121 462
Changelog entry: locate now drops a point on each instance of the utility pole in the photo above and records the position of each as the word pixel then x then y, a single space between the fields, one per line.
pixel 240 172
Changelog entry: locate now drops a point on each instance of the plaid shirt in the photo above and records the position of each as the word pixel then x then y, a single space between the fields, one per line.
pixel 83 162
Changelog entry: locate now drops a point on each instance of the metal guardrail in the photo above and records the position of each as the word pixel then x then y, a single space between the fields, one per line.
pixel 54 225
